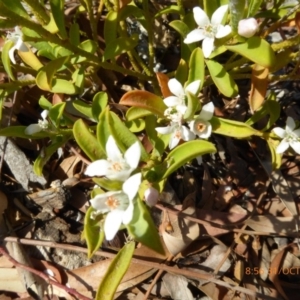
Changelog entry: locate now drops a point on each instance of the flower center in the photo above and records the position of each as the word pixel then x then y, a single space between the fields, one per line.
pixel 178 134
pixel 43 124
pixel 112 202
pixel 173 114
pixel 117 166
pixel 210 30
pixel 200 127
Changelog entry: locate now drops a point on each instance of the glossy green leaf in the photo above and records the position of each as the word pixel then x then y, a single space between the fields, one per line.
pixel 103 130
pixel 6 60
pixel 136 125
pixel 184 153
pixel 145 100
pixel 222 79
pixel 196 67
pixel 44 103
pixel 74 34
pixel 87 141
pixel 170 9
pixel 236 9
pixel 100 101
pixel 276 158
pixel 120 45
pixel 123 136
pixel 47 153
pixel 56 113
pixel 84 108
pixel 44 78
pixel 64 87
pixel 182 71
pixel 19 131
pixel 109 185
pixel 134 113
pixel 192 106
pixel 257 50
pixel 78 78
pixel 253 7
pixel 57 8
pixel 111 26
pixel 89 46
pixel 93 233
pixel 143 229
pixel 115 273
pixel 210 6
pixel 232 128
pixel 16 7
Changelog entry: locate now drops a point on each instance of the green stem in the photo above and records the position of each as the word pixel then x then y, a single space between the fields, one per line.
pixel 181 9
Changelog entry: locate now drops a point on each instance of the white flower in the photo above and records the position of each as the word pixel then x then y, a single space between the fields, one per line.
pixel 208 30
pixel 42 124
pixel 151 196
pixel 175 114
pixel 290 136
pixel 200 126
pixel 117 166
pixel 119 205
pixel 178 132
pixel 247 27
pixel 177 89
pixel 17 38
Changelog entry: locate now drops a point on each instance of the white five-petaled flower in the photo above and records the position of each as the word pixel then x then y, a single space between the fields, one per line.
pixel 117 166
pixel 247 27
pixel 42 124
pixel 119 205
pixel 201 125
pixel 178 132
pixel 207 29
pixel 17 38
pixel 290 136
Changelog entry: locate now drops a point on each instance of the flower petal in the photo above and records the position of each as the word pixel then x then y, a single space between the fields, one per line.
pixel 44 114
pixel 283 145
pixel 187 135
pixel 11 53
pixel 219 15
pixel 207 111
pixel 174 140
pixel 279 132
pixel 172 101
pixel 112 223
pixel 21 46
pixel 112 150
pixel 208 46
pixel 133 154
pixel 200 17
pixel 32 129
pixel 296 146
pixel 176 87
pixel 223 31
pixel 164 130
pixel 99 201
pixel 128 214
pixel 193 87
pixel 199 160
pixel 194 36
pixel 297 132
pixel 206 133
pixel 131 185
pixel 290 124
pixel 97 168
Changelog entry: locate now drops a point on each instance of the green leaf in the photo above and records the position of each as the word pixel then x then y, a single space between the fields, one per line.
pixel 253 49
pixel 100 101
pixel 134 113
pixel 84 108
pixel 111 26
pixel 19 131
pixel 103 130
pixel 16 7
pixel 123 137
pixel 89 46
pixel 253 7
pixel 232 128
pixel 44 103
pixel 110 185
pixel 49 151
pixel 93 233
pixel 115 273
pixel 143 229
pixel 276 158
pixel 120 45
pixel 61 86
pixel 74 34
pixel 237 9
pixel 87 141
pixel 210 6
pixel 145 100
pixel 196 65
pixel 222 79
pixel 170 9
pixel 57 8
pixel 184 153
pixel 182 71
pixel 136 125
pixel 56 113
pixel 192 105
pixel 6 60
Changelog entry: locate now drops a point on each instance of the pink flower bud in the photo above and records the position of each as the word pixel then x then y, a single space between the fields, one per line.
pixel 247 27
pixel 151 196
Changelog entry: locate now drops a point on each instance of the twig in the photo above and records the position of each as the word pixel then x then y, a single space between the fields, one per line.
pixel 43 276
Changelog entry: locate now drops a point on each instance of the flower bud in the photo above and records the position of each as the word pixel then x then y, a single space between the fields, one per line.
pixel 151 196
pixel 247 27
